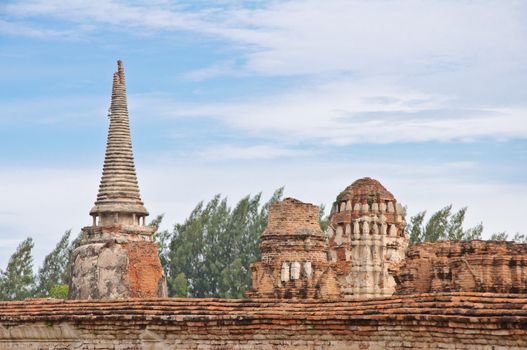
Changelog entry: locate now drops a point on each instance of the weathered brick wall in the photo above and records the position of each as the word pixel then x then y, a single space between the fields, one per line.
pixel 291 216
pixel 145 273
pixel 116 267
pixel 293 253
pixel 427 321
pixel 482 266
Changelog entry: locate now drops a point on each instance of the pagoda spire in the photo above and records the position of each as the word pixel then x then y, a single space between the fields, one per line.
pixel 119 190
pixel 116 257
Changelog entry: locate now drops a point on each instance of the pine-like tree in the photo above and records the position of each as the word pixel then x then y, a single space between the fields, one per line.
pixel 210 253
pixel 55 269
pixel 442 225
pixel 503 236
pixel 17 282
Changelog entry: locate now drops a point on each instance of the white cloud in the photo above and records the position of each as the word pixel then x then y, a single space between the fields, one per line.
pixel 219 69
pixel 255 152
pixel 151 16
pixel 378 36
pixel 22 29
pixel 318 36
pixel 415 70
pixel 46 202
pixel 43 204
pixel 351 112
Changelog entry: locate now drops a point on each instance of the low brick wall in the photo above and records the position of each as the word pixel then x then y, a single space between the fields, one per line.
pixel 426 321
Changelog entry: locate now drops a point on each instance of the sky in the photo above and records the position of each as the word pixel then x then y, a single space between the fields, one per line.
pixel 241 97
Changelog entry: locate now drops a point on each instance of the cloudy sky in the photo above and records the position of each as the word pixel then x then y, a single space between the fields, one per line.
pixel 231 97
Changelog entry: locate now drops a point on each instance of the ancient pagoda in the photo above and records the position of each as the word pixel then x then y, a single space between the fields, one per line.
pixel 367 240
pixel 116 257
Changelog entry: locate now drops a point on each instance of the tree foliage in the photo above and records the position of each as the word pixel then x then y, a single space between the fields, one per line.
pixel 324 219
pixel 162 238
pixel 442 225
pixel 209 254
pixel 54 270
pixel 503 236
pixel 59 291
pixel 17 281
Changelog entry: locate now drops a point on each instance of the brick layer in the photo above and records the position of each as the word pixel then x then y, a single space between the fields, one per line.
pixel 293 253
pixel 481 266
pixel 425 321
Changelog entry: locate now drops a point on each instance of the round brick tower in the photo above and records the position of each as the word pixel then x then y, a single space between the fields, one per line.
pixel 293 252
pixel 367 239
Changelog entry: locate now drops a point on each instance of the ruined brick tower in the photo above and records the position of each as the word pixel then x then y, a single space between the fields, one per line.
pixel 117 258
pixel 293 250
pixel 367 239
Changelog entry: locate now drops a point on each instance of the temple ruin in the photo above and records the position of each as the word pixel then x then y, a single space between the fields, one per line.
pixel 359 285
pixel 294 260
pixel 473 266
pixel 116 257
pixel 367 239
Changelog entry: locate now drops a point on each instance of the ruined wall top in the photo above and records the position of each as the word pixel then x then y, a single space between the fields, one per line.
pixel 292 217
pixel 364 190
pixel 467 266
pixel 118 190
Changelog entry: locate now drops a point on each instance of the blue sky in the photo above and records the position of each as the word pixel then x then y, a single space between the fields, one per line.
pixel 429 97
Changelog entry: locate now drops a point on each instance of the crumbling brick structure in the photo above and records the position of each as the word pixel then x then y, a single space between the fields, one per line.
pixel 473 266
pixel 117 258
pixel 366 239
pixel 293 255
pixel 476 321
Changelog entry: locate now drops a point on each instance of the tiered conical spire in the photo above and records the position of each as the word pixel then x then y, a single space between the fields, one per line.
pixel 119 191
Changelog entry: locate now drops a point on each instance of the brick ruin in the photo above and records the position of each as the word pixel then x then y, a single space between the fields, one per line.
pixel 293 253
pixel 366 239
pixel 116 257
pixel 481 321
pixel 358 256
pixel 356 286
pixel 474 266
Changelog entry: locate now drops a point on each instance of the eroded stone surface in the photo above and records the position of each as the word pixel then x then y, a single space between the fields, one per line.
pixel 368 243
pixel 293 253
pixel 482 266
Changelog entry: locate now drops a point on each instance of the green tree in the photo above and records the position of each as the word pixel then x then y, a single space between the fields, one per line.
pixel 179 285
pixel 324 219
pixel 416 228
pixel 162 239
pixel 54 270
pixel 499 236
pixel 210 252
pixel 69 264
pixel 503 236
pixel 17 282
pixel 519 238
pixel 442 225
pixel 59 291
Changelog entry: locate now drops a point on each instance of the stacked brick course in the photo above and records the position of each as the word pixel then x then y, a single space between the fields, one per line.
pixel 293 255
pixel 117 258
pixel 426 321
pixel 367 239
pixel 480 266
